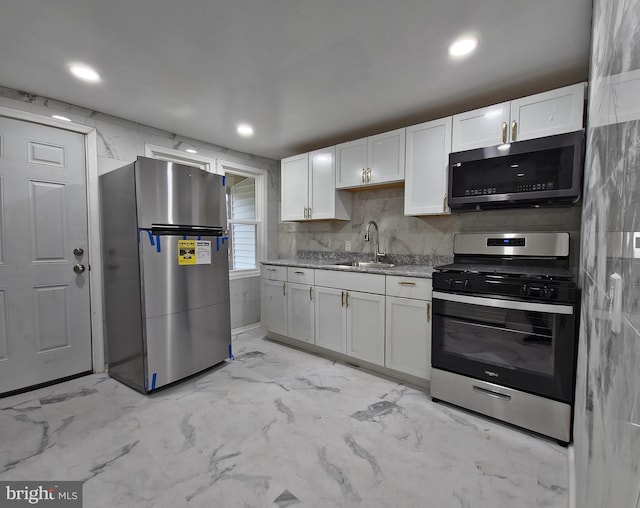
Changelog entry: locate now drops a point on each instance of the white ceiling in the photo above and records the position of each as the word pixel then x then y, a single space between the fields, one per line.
pixel 304 73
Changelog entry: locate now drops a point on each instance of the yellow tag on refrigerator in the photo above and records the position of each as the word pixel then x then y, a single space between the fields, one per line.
pixel 186 252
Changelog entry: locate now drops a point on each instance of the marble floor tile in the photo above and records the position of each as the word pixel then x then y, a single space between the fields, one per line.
pixel 274 427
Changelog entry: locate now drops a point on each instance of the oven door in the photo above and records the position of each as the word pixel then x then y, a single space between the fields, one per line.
pixel 520 344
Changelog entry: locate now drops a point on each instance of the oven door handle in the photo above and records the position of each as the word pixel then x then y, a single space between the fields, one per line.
pixel 505 304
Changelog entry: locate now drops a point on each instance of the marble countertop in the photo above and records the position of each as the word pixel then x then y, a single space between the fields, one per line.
pixel 423 271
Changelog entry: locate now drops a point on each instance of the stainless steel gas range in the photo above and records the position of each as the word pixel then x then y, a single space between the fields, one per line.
pixel 505 317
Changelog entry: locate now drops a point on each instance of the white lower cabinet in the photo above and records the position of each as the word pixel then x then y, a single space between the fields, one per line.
pixel 381 320
pixel 273 301
pixel 365 326
pixel 408 336
pixel 300 312
pixel 331 319
pixel 408 327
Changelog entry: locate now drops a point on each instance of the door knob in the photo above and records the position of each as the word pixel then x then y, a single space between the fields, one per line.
pixel 78 268
pixel 78 251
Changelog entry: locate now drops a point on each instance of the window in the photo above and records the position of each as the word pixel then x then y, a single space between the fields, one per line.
pixel 246 213
pixel 242 223
pixel 246 207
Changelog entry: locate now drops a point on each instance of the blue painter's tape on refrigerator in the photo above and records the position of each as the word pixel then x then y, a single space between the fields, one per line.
pixel 224 180
pixel 158 249
pixel 199 237
pixel 184 237
pixel 153 380
pixel 231 353
pixel 151 241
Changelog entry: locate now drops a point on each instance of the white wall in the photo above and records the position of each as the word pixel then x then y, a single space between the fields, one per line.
pixel 121 141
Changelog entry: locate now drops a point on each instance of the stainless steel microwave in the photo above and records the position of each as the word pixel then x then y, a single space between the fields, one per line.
pixel 537 172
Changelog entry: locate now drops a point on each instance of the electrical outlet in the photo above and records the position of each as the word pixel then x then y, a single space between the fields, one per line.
pixel 347 246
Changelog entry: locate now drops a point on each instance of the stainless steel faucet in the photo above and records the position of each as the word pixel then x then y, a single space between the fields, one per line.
pixel 379 255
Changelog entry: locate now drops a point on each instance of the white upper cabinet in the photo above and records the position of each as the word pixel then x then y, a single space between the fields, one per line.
pixel 427 162
pixel 308 188
pixel 545 114
pixel 294 185
pixel 480 127
pixel 368 161
pixel 351 163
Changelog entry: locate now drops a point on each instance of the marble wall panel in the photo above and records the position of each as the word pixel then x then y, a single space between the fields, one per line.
pixel 245 301
pixel 607 411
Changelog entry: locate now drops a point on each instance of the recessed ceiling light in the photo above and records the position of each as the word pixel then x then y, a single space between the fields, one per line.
pixel 191 150
pixel 245 130
pixel 60 117
pixel 85 73
pixel 462 46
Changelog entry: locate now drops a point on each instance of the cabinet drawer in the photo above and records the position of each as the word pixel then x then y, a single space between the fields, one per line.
pixel 350 281
pixel 272 272
pixel 300 275
pixel 409 287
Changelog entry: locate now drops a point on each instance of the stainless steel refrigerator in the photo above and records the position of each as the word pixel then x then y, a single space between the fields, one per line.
pixel 166 274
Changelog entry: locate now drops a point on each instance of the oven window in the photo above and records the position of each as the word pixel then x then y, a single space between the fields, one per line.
pixel 513 339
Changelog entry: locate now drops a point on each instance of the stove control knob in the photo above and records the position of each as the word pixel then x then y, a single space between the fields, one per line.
pixel 451 283
pixel 467 285
pixel 546 292
pixel 524 290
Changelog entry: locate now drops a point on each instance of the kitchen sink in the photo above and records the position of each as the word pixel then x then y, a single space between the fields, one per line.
pixel 365 264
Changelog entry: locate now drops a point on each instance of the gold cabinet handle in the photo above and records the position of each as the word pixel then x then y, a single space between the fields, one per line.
pixel 406 283
pixel 311 293
pixel 342 299
pixel 309 213
pixel 299 273
pixel 444 203
pixel 514 130
pixel 284 289
pixel 347 299
pixel 504 132
pixel 362 176
pixel 368 175
pixel 428 312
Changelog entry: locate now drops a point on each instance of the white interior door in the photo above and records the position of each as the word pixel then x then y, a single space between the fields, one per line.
pixel 45 331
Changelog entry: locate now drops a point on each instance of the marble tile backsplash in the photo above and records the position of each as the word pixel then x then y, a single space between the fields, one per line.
pixel 396 259
pixel 429 237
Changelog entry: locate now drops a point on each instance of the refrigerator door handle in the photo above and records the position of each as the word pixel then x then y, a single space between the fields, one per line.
pixel 180 229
